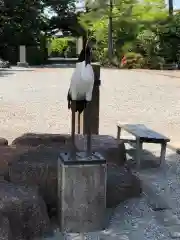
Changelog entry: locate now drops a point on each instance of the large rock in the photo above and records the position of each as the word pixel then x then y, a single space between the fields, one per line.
pixel 107 145
pixel 24 210
pixel 38 167
pixel 115 155
pixel 3 142
pixel 35 139
pixel 9 154
pixel 98 141
pixel 121 185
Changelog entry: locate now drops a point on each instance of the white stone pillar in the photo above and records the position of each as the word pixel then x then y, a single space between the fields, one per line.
pixel 22 57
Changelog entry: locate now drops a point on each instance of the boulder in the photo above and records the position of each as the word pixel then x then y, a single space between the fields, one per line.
pixel 38 167
pixel 3 142
pixel 107 146
pixel 24 210
pixel 115 155
pixel 98 142
pixel 34 139
pixel 122 184
pixel 9 154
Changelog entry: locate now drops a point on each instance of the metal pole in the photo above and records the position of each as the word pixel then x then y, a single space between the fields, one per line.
pixel 110 36
pixel 73 119
pixel 89 135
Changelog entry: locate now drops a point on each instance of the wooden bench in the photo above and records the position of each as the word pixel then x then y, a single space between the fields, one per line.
pixel 141 135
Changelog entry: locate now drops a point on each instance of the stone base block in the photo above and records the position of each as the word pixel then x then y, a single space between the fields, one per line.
pixel 22 64
pixel 82 193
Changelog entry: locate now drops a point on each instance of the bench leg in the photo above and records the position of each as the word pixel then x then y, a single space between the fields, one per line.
pixel 138 153
pixel 163 154
pixel 118 132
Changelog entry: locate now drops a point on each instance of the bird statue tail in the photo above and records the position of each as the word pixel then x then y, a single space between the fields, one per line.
pixel 80 104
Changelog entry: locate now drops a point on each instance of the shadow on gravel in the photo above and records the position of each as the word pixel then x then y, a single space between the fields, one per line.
pixel 18 69
pixel 10 71
pixel 166 73
pixel 4 73
pixel 52 66
pixel 150 160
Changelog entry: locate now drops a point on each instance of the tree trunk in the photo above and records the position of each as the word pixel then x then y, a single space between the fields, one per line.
pixel 171 7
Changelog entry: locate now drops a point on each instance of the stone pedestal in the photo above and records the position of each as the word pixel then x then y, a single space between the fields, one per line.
pixel 81 192
pixel 22 57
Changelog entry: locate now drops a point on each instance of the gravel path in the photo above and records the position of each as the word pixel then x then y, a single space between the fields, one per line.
pixel 34 100
pixel 129 222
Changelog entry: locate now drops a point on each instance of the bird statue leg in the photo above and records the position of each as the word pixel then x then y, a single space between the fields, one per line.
pixel 69 99
pixel 79 122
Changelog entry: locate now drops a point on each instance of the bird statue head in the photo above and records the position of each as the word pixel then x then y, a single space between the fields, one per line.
pixel 86 54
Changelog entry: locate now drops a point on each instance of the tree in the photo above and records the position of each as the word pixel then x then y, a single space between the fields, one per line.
pixel 25 22
pixel 21 19
pixel 25 19
pixel 61 7
pixel 130 19
pixel 171 7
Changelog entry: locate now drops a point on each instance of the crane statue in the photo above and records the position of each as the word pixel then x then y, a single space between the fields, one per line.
pixel 80 93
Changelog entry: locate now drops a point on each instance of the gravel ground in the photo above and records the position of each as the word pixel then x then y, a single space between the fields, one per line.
pixel 129 222
pixel 34 100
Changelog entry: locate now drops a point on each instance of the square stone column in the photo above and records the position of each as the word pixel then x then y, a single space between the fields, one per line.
pixel 22 57
pixel 81 192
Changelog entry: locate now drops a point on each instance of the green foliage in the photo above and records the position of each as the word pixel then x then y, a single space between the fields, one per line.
pixel 22 21
pixel 169 39
pixel 142 31
pixel 61 7
pixel 134 60
pixel 154 62
pixel 58 45
pixel 36 55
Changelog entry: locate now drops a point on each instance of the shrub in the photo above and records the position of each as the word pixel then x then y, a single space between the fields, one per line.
pixel 36 55
pixel 71 49
pixel 57 46
pixel 134 60
pixel 100 55
pixel 155 62
pixel 9 53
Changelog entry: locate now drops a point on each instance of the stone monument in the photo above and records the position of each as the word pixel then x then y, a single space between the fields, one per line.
pixel 22 57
